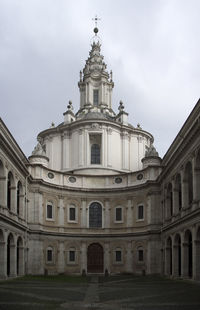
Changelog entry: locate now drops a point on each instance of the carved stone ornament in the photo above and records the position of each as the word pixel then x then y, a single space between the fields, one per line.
pixel 39 150
pixel 95 126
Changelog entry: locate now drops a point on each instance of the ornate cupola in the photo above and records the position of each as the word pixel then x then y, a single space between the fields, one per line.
pixel 95 83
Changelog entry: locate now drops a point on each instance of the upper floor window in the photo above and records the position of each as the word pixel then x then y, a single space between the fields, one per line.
pixel 95 97
pixel 95 154
pixel 49 211
pixel 140 255
pixel 140 212
pixel 118 214
pixel 72 213
pixel 95 215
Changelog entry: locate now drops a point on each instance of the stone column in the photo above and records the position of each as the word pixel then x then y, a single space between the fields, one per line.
pixel 125 150
pixel 61 214
pixel 13 190
pixel 109 133
pixel 196 260
pixel 184 261
pixel 175 260
pixel 21 261
pixel 107 214
pixel 13 260
pixel 61 259
pixel 3 260
pixel 107 257
pixel 83 214
pixel 129 267
pixel 3 191
pixel 185 197
pixel 66 151
pixel 129 215
pixel 80 148
pixel 83 257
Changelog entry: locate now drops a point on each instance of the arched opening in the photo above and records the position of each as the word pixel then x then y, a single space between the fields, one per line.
pixel 10 254
pixel 169 256
pixel 189 183
pixel 19 195
pixel 169 200
pixel 95 261
pixel 177 255
pixel 95 154
pixel 9 193
pixel 20 256
pixel 178 194
pixel 95 215
pixel 188 258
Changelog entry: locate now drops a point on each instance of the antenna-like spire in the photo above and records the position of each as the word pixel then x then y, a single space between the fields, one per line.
pixel 96 21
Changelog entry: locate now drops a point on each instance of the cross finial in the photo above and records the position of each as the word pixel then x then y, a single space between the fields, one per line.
pixel 96 20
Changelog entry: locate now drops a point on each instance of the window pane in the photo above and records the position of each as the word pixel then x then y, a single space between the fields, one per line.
pixel 95 154
pixel 118 256
pixel 71 256
pixel 49 212
pixel 140 212
pixel 118 214
pixel 95 215
pixel 72 214
pixel 96 97
pixel 49 255
pixel 140 255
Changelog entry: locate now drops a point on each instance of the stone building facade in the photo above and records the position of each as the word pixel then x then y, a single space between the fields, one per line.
pixel 95 197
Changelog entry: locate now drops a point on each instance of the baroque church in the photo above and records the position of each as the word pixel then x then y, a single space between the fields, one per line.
pixel 95 197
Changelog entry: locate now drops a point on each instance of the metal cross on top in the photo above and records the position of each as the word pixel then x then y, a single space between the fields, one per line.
pixel 96 20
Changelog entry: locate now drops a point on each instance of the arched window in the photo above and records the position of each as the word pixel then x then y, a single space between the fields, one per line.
pixel 95 215
pixel 95 154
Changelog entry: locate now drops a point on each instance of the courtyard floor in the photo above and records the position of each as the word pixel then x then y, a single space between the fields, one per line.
pixel 109 293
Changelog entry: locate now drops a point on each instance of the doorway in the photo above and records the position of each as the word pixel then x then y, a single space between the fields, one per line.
pixel 95 258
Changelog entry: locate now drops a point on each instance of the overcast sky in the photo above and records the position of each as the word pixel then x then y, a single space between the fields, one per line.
pixel 152 47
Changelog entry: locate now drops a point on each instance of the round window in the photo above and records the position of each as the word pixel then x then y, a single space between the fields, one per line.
pixel 140 176
pixel 118 180
pixel 72 179
pixel 50 175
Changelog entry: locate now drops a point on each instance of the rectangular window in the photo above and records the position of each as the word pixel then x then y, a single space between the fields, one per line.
pixel 140 255
pixel 72 214
pixel 95 97
pixel 118 214
pixel 118 256
pixel 49 255
pixel 140 212
pixel 72 256
pixel 49 211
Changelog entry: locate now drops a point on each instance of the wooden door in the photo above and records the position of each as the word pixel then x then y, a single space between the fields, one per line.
pixel 95 258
